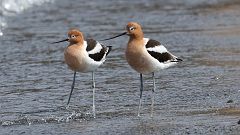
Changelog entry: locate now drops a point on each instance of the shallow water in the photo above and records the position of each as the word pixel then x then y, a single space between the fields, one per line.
pixel 191 98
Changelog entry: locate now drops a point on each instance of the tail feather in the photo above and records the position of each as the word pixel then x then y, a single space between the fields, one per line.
pixel 109 49
pixel 177 60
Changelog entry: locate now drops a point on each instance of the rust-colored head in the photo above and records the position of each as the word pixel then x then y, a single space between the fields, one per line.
pixel 75 36
pixel 134 30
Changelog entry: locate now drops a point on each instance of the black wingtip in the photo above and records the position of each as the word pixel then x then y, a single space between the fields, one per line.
pixel 178 59
pixel 109 49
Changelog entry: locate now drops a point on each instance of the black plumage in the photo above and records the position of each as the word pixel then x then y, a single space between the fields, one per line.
pixel 162 57
pixel 91 44
pixel 152 43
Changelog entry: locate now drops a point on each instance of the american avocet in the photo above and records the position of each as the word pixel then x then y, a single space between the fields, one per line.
pixel 146 56
pixel 84 56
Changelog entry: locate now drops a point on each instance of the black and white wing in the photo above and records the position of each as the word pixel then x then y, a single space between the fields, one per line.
pixel 97 51
pixel 159 52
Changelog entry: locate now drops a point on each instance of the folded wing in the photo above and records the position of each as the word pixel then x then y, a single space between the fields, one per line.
pixel 97 51
pixel 159 52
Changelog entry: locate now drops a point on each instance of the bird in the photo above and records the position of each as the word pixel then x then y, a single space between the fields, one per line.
pixel 84 56
pixel 146 56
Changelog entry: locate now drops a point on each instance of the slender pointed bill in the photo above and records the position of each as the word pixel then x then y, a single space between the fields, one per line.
pixel 61 41
pixel 124 33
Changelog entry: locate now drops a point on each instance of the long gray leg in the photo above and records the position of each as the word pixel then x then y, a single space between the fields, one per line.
pixel 93 87
pixel 141 90
pixel 153 90
pixel 74 76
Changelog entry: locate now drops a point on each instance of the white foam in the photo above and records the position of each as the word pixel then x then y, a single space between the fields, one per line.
pixel 9 7
pixel 14 7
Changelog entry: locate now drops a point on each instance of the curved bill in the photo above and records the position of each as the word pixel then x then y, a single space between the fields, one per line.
pixel 60 41
pixel 124 33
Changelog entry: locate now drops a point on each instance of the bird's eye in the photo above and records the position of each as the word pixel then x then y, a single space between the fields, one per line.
pixel 131 28
pixel 73 36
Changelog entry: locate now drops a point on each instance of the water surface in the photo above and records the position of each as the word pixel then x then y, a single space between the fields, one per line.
pixel 191 98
